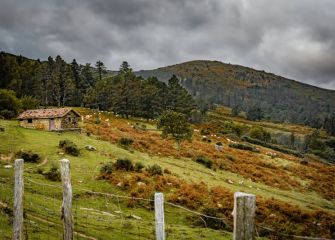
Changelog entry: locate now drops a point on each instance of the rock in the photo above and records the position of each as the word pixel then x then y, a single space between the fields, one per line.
pixel 8 166
pixel 135 217
pixel 141 184
pixel 230 181
pixel 90 148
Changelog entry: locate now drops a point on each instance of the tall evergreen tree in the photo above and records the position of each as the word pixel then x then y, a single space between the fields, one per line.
pixel 101 68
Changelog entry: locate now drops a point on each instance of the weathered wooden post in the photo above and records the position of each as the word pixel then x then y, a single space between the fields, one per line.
pixel 244 213
pixel 67 199
pixel 18 200
pixel 159 216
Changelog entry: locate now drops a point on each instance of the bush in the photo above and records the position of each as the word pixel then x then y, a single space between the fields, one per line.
pixel 9 104
pixel 273 146
pixel 244 147
pixel 260 134
pixel 107 168
pixel 138 166
pixel 328 154
pixel 204 161
pixel 53 174
pixel 155 169
pixel 69 147
pixel 125 142
pixel 124 164
pixel 230 157
pixel 28 156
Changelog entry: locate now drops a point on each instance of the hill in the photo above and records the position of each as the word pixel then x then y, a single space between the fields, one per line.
pixel 281 99
pixel 292 198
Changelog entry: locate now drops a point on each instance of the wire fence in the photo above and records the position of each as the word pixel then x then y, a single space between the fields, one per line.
pixel 103 215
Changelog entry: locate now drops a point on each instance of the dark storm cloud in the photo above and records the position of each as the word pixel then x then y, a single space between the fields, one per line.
pixel 292 38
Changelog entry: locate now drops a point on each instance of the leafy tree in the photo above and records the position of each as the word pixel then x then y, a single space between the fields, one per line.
pixel 29 102
pixel 255 114
pixel 9 104
pixel 260 134
pixel 175 125
pixel 329 125
pixel 235 111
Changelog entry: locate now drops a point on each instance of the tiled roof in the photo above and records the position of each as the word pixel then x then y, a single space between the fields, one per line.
pixel 45 113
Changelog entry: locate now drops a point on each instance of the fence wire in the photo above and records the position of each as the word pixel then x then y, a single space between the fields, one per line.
pixel 102 215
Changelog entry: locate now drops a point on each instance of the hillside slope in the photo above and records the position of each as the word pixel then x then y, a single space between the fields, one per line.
pixel 291 198
pixel 280 98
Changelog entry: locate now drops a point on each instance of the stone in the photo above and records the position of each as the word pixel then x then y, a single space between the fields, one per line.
pixel 90 148
pixel 141 184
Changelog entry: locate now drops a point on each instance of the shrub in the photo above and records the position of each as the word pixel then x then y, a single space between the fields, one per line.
pixel 260 134
pixel 124 164
pixel 243 147
pixel 204 161
pixel 273 146
pixel 28 156
pixel 53 174
pixel 107 168
pixel 230 157
pixel 138 166
pixel 39 171
pixel 97 120
pixel 155 169
pixel 69 147
pixel 205 131
pixel 125 142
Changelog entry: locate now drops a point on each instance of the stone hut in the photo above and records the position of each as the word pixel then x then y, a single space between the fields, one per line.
pixel 53 119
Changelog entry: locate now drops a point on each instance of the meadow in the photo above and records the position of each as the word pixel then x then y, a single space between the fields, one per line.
pixel 291 198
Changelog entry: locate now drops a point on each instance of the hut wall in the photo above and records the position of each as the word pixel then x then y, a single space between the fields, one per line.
pixel 36 123
pixel 70 120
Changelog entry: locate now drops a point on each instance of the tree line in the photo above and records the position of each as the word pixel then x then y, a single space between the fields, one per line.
pixel 57 83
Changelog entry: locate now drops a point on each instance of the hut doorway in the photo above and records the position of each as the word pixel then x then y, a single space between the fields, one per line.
pixel 51 124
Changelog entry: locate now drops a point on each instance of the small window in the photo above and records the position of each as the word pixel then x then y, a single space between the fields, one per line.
pixel 30 120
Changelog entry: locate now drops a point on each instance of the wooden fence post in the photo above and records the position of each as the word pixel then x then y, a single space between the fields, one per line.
pixel 67 199
pixel 18 200
pixel 159 216
pixel 244 213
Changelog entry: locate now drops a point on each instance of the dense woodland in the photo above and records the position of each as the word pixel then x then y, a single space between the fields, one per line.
pixel 56 83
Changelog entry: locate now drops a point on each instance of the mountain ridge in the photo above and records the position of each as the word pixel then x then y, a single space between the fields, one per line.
pixel 280 98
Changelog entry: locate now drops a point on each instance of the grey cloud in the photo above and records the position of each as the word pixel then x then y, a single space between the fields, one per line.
pixel 292 38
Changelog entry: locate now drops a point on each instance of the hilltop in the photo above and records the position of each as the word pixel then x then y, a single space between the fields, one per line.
pixel 281 99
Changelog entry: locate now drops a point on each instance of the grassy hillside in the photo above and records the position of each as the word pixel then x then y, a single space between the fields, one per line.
pixel 231 85
pixel 291 198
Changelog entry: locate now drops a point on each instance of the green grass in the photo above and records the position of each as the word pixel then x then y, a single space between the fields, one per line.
pixel 42 203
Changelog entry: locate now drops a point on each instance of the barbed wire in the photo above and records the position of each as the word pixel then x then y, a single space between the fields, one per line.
pixel 117 196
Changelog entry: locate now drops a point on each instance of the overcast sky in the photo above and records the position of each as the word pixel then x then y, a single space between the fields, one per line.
pixel 292 38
